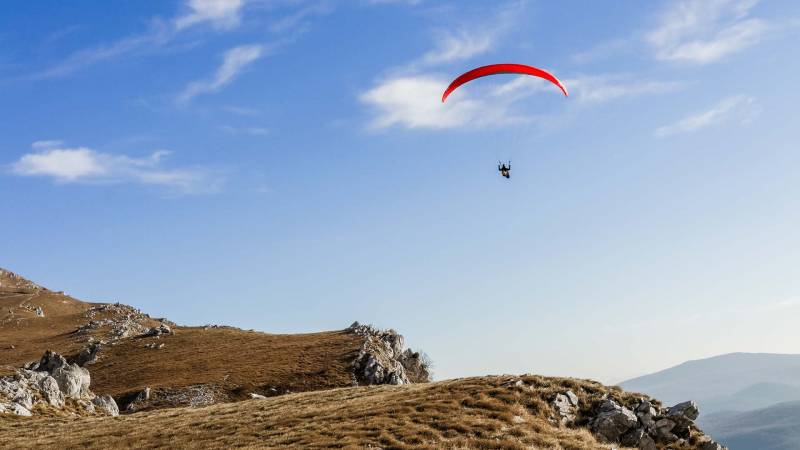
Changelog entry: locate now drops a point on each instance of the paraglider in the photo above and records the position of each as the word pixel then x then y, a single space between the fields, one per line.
pixel 495 69
pixel 505 170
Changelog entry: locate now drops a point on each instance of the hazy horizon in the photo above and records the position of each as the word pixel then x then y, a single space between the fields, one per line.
pixel 288 166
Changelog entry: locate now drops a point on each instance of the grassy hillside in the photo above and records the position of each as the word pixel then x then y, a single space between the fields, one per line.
pixel 183 387
pixel 229 361
pixel 487 412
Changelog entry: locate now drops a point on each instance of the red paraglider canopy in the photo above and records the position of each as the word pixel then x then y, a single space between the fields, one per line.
pixel 495 69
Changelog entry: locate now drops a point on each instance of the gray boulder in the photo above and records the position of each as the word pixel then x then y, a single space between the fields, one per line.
pixel 565 405
pixel 106 404
pixel 51 392
pixel 646 413
pixel 664 429
pixel 73 380
pixel 613 421
pixel 711 445
pixel 50 361
pixel 16 408
pixel 686 410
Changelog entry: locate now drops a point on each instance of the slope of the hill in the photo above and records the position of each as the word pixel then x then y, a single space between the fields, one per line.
pixel 128 352
pixel 502 412
pixel 774 428
pixel 33 319
pixel 739 381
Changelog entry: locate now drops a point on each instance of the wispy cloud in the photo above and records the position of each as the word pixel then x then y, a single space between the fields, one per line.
pixel 84 165
pixel 242 111
pixel 254 131
pixel 414 102
pixel 457 46
pixel 234 61
pixel 590 89
pixel 703 31
pixel 221 14
pixel 156 36
pixel 298 18
pixel 740 107
pixel 410 97
pixel 469 40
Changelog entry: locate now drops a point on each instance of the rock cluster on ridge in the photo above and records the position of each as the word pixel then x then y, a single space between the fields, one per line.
pixel 383 360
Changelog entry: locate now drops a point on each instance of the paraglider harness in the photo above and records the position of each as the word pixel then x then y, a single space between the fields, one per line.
pixel 505 170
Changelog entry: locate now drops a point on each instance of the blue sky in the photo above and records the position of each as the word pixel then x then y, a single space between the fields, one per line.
pixel 287 166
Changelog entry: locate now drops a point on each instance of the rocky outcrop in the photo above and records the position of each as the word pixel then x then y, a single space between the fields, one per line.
pixel 122 321
pixel 51 382
pixel 645 426
pixel 13 282
pixel 566 405
pixel 382 359
pixel 620 418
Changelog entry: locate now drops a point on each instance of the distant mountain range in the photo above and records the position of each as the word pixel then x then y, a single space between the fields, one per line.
pixel 748 401
pixel 774 428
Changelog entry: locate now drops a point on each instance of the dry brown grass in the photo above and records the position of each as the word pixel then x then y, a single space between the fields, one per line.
pixel 24 336
pixel 234 362
pixel 486 412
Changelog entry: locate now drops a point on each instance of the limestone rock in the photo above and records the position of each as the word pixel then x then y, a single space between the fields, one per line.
pixel 51 392
pixel 106 404
pixel 565 405
pixel 73 380
pixel 613 421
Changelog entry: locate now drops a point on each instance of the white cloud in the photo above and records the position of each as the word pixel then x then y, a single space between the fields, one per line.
pixel 601 89
pixel 741 107
pixel 155 37
pixel 84 165
pixel 38 145
pixel 588 90
pixel 62 164
pixel 234 62
pixel 255 131
pixel 415 102
pixel 221 14
pixel 457 46
pixel 704 31
pixel 242 111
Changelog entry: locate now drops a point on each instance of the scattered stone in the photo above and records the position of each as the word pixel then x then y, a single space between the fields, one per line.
pixel 613 421
pixel 51 392
pixel 566 405
pixel 159 330
pixel 16 408
pixel 687 410
pixel 106 404
pixel 73 380
pixel 39 311
pixel 646 413
pixel 255 396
